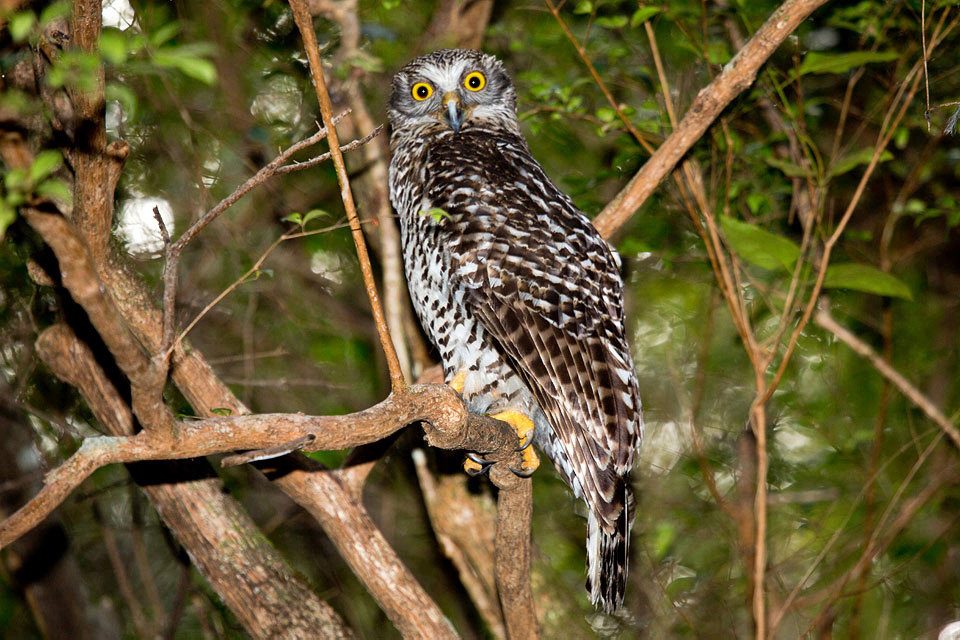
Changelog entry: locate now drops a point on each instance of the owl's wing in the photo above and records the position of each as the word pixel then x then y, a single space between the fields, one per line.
pixel 548 292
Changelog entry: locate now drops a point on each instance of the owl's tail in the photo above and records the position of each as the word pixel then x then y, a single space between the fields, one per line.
pixel 608 551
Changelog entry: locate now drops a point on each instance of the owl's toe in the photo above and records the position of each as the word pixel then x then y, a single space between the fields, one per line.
pixel 474 465
pixel 524 427
pixel 530 463
pixel 458 381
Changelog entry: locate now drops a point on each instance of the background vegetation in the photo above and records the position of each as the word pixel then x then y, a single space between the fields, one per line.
pixel 862 487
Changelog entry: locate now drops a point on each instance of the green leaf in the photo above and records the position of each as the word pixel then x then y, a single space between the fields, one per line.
pixel 788 168
pixel 295 218
pixel 863 277
pixel 312 215
pixel 7 215
pixel 817 62
pixel 44 164
pixel 55 189
pixel 663 538
pixel 164 34
pixel 855 159
pixel 612 22
pixel 113 46
pixel 53 11
pixel 583 7
pixel 190 66
pixel 758 246
pixel 14 180
pixel 643 14
pixel 21 24
pixel 606 114
pixel 436 213
pixel 755 201
pixel 221 411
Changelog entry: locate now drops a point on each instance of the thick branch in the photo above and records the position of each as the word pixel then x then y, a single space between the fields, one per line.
pixel 224 544
pixel 512 557
pixel 451 427
pixel 735 78
pixel 365 549
pixel 465 526
pixel 80 279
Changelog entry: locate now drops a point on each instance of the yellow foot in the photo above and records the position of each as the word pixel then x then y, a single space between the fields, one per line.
pixel 458 381
pixel 524 428
pixel 473 467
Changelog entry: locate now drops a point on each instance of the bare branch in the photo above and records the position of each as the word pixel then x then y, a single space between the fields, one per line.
pixel 465 526
pixel 512 555
pixel 304 22
pixel 323 157
pixel 364 548
pixel 861 348
pixel 80 279
pixel 449 426
pixel 175 250
pixel 371 184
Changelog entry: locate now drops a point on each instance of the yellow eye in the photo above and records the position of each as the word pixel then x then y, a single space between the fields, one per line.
pixel 475 81
pixel 421 91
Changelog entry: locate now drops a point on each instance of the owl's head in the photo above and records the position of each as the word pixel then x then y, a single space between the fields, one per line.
pixel 453 89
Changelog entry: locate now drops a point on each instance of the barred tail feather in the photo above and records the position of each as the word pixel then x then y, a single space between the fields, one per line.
pixel 608 553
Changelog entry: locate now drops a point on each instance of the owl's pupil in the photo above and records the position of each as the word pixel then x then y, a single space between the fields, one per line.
pixel 474 82
pixel 422 92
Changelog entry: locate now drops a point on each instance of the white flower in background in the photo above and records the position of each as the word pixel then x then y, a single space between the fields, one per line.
pixel 138 228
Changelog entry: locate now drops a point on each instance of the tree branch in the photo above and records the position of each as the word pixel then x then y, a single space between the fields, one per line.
pixel 175 250
pixel 512 553
pixel 450 427
pixel 914 395
pixel 222 540
pixel 301 16
pixel 736 77
pixel 465 526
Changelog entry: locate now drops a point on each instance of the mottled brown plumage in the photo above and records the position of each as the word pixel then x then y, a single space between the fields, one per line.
pixel 516 288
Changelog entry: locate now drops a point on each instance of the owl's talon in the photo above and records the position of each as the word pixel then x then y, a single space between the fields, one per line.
pixel 474 465
pixel 524 428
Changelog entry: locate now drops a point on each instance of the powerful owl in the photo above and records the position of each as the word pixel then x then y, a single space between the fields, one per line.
pixel 520 295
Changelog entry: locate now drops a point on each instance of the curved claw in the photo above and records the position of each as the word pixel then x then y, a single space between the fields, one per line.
pixel 473 455
pixel 524 447
pixel 479 465
pixel 522 473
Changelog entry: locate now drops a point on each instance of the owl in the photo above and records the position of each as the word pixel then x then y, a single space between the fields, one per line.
pixel 518 292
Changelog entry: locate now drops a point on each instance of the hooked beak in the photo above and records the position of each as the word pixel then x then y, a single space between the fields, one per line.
pixel 454 115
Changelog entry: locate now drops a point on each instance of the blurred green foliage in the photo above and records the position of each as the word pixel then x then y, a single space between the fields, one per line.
pixel 205 93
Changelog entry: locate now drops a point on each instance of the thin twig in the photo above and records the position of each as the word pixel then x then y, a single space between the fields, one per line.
pixel 170 268
pixel 245 277
pixel 268 453
pixel 926 74
pixel 301 16
pixel 162 225
pixel 312 162
pixel 825 320
pixel 598 79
